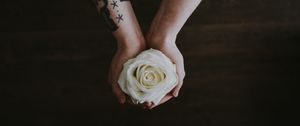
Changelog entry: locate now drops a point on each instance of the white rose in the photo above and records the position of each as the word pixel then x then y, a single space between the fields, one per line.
pixel 148 77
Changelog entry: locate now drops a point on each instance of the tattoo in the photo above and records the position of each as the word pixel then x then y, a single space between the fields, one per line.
pixel 114 4
pixel 104 11
pixel 120 18
pixel 102 6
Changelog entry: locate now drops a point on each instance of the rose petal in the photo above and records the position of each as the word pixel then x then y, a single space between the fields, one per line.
pixel 148 77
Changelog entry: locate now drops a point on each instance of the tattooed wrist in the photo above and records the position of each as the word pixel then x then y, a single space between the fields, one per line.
pixel 106 8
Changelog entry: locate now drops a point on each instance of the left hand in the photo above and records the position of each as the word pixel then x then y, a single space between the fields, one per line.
pixel 169 48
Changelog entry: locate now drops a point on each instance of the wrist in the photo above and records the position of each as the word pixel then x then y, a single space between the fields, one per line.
pixel 129 38
pixel 157 41
pixel 131 45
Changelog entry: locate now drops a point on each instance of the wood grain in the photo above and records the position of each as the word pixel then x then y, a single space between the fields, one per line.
pixel 241 58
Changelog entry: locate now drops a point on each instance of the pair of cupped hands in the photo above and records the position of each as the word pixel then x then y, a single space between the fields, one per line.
pixel 128 50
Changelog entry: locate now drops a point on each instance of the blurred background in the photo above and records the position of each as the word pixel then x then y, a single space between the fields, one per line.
pixel 241 59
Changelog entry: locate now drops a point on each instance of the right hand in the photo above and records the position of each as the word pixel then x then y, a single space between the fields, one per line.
pixel 124 52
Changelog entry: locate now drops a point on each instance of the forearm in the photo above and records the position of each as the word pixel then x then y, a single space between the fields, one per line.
pixel 170 18
pixel 121 19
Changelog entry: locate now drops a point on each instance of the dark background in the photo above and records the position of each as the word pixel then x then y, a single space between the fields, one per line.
pixel 241 58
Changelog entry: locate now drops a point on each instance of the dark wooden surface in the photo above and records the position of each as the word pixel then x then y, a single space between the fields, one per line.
pixel 242 64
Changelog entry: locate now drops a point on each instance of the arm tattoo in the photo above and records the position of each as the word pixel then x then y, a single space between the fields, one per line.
pixel 104 11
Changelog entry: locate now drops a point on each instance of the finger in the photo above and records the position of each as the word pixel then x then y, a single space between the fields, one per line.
pixel 118 92
pixel 146 105
pixel 143 105
pixel 116 89
pixel 181 75
pixel 177 88
pixel 165 99
pixel 129 101
pixel 112 69
pixel 115 70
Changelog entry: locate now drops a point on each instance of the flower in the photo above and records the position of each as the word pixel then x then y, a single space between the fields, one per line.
pixel 148 77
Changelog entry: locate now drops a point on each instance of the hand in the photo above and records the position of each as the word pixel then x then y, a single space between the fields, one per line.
pixel 169 48
pixel 124 52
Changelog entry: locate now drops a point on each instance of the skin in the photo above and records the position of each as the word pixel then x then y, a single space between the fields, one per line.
pixel 130 42
pixel 162 35
pixel 168 21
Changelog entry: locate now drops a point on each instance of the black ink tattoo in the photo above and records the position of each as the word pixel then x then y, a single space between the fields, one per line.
pixel 104 11
pixel 120 18
pixel 114 4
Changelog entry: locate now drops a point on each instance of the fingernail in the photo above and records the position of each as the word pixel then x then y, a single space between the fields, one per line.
pixel 175 94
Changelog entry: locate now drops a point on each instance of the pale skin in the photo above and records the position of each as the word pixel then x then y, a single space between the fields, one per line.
pixel 167 23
